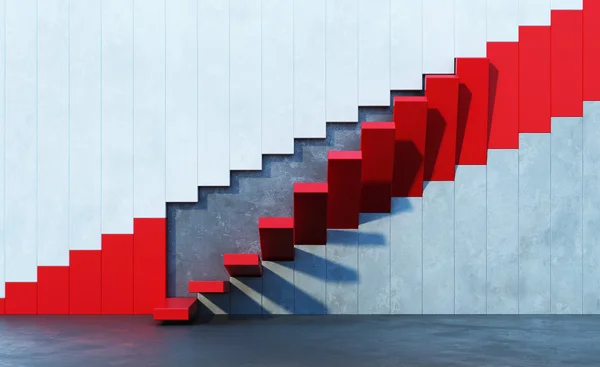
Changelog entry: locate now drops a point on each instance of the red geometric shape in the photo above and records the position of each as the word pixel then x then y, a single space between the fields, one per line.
pixel 442 114
pixel 276 238
pixel 149 264
pixel 566 63
pixel 2 303
pixel 534 79
pixel 310 213
pixel 53 290
pixel 410 119
pixel 473 110
pixel 504 96
pixel 377 143
pixel 117 274
pixel 591 50
pixel 21 298
pixel 208 286
pixel 175 309
pixel 85 277
pixel 243 265
pixel 343 195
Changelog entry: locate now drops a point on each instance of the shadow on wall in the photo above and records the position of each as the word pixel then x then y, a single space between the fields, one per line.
pixel 225 221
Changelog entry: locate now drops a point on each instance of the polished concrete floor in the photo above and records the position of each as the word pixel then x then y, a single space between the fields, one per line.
pixel 381 341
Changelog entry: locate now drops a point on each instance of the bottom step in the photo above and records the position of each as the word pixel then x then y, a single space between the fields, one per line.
pixel 176 309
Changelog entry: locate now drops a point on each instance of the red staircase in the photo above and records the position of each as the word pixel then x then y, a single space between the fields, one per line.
pixel 484 106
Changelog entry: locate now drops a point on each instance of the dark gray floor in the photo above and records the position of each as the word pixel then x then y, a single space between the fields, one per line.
pixel 315 341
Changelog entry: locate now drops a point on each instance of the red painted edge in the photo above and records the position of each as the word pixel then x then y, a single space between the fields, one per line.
pixel 277 242
pixel 243 265
pixel 591 50
pixel 53 290
pixel 117 274
pixel 208 286
pixel 473 111
pixel 149 263
pixel 85 289
pixel 442 115
pixel 2 303
pixel 534 79
pixel 504 95
pixel 21 298
pixel 410 119
pixel 566 63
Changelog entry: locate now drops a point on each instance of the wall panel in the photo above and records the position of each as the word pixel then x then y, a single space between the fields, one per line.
pixel 591 207
pixel 117 116
pixel 277 77
pixel 309 68
pixel 342 60
pixel 21 157
pixel 2 165
pixel 374 52
pixel 438 36
pixel 149 109
pixel 470 33
pixel 502 20
pixel 534 12
pixel 85 126
pixel 503 231
pixel 406 256
pixel 406 45
pixel 213 93
pixel 470 239
pixel 342 271
pixel 534 223
pixel 438 248
pixel 181 101
pixel 245 134
pixel 566 162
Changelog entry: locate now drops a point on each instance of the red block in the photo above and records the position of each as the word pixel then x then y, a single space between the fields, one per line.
pixel 149 264
pixel 440 144
pixel 53 290
pixel 473 110
pixel 534 79
pixel 175 309
pixel 117 274
pixel 21 298
pixel 276 238
pixel 410 119
pixel 2 302
pixel 208 286
pixel 85 288
pixel 504 96
pixel 343 183
pixel 310 213
pixel 567 63
pixel 377 142
pixel 243 265
pixel 591 50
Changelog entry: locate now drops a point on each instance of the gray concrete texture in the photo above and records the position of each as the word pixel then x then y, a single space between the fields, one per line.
pixel 514 236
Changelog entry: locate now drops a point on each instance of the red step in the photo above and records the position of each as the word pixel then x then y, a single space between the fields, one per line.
pixel 377 141
pixel 243 265
pixel 276 238
pixel 208 286
pixel 310 213
pixel 410 118
pixel 176 309
pixel 343 195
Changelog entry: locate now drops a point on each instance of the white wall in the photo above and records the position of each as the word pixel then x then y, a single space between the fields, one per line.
pixel 114 107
